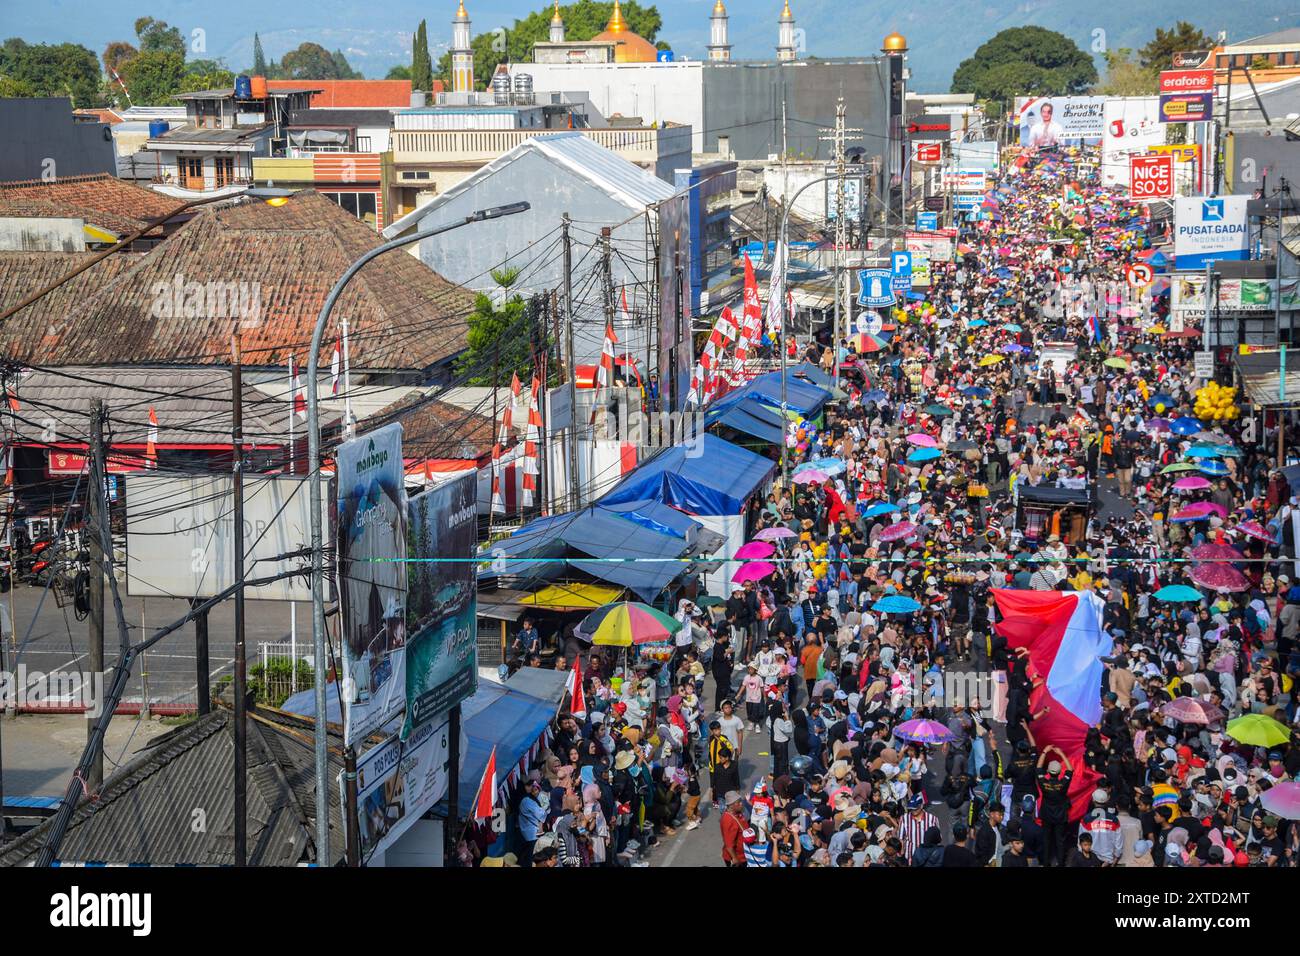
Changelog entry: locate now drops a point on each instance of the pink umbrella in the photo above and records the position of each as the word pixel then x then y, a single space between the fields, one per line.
pixel 756 549
pixel 1215 552
pixel 774 534
pixel 1186 710
pixel 1192 483
pixel 1282 799
pixel 753 571
pixel 810 476
pixel 1220 577
pixel 922 440
pixel 1252 529
pixel 895 532
pixel 1203 509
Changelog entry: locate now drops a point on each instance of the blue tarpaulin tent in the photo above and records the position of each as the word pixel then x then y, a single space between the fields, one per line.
pixel 708 477
pixel 748 415
pixel 800 396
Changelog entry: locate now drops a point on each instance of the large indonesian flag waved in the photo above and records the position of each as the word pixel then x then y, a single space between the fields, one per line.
pixel 1063 632
pixel 577 699
pixel 485 800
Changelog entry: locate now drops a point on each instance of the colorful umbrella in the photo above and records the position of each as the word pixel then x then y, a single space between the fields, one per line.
pixel 1281 799
pixel 921 731
pixel 1185 426
pixel 1177 594
pixel 1185 710
pixel 1212 467
pixel 1204 451
pixel 976 391
pixel 1220 577
pixel 1253 529
pixel 755 549
pixel 1258 730
pixel 628 623
pixel 1193 483
pixel 811 476
pixel 988 360
pixel 883 508
pixel 923 440
pixel 708 600
pixel 1160 398
pixel 896 604
pixel 904 529
pixel 1158 424
pixel 1115 363
pixel 875 395
pixel 1215 552
pixel 753 571
pixel 923 455
pixel 774 534
pixel 938 411
pixel 1177 467
pixel 832 466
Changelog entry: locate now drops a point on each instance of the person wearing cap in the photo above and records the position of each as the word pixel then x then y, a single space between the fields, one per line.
pixel 1054 781
pixel 914 826
pixel 733 823
pixel 1101 824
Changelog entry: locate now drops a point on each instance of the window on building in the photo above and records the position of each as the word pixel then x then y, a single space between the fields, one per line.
pixel 362 205
pixel 225 170
pixel 363 144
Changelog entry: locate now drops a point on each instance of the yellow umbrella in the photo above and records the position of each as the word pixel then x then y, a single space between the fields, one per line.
pixel 991 360
pixel 1259 730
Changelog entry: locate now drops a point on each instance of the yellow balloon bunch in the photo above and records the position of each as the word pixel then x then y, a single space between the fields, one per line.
pixel 1216 403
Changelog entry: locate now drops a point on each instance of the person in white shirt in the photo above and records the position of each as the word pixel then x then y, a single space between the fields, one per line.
pixel 1046 133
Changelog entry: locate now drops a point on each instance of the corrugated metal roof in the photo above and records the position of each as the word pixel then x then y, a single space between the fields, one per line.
pixel 144 813
pixel 1260 374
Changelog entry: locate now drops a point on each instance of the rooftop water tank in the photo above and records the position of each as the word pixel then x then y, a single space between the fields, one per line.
pixel 501 88
pixel 158 128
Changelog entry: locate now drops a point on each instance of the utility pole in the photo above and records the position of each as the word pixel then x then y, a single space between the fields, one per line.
pixel 607 297
pixel 571 371
pixel 838 137
pixel 241 661
pixel 95 507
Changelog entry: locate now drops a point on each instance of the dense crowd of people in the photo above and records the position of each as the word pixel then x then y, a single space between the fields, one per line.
pixel 818 724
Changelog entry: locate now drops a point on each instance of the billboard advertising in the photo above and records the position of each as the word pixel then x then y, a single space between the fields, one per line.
pixel 372 579
pixel 441 601
pixel 1186 96
pixel 1132 127
pixel 1049 121
pixel 1235 295
pixel 1207 230
pixel 180 535
pixel 1151 177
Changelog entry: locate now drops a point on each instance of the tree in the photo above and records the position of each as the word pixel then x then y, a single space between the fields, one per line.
pixel 154 78
pixel 205 75
pixel 311 61
pixel 421 73
pixel 259 58
pixel 1159 53
pixel 62 69
pixel 582 21
pixel 1025 61
pixel 495 339
pixel 156 36
pixel 1125 76
pixel 116 54
pixel 400 72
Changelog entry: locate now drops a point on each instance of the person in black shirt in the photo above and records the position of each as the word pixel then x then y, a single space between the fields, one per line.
pixel 1054 784
pixel 721 666
pixel 957 853
pixel 1015 855
pixel 1082 855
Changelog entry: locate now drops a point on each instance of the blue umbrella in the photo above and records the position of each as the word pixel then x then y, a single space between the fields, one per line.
pixel 896 604
pixel 1011 328
pixel 1204 451
pixel 1186 426
pixel 875 395
pixel 924 454
pixel 832 466
pixel 1212 467
pixel 1177 593
pixel 976 391
pixel 884 508
pixel 977 323
pixel 1160 398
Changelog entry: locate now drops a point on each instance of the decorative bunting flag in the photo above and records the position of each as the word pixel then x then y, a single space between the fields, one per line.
pixel 151 441
pixel 336 365
pixel 532 434
pixel 577 699
pixel 485 801
pixel 295 389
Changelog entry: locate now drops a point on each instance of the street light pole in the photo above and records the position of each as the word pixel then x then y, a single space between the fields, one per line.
pixel 317 537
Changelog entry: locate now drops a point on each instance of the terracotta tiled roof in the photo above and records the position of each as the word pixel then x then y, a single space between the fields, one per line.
pixel 437 429
pixel 263 271
pixel 351 93
pixel 108 116
pixel 100 199
pixel 35 334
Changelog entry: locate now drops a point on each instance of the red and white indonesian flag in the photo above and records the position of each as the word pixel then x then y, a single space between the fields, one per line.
pixel 486 800
pixel 336 365
pixel 776 292
pixel 151 441
pixel 1066 642
pixel 605 373
pixel 577 699
pixel 295 389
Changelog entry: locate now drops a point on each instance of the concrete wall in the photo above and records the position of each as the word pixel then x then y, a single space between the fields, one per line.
pixel 656 92
pixel 530 242
pixel 742 101
pixel 1250 156
pixel 42 235
pixel 41 140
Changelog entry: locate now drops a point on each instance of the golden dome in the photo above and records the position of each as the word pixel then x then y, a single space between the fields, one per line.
pixel 628 47
pixel 460 13
pixel 786 14
pixel 895 43
pixel 719 10
pixel 557 18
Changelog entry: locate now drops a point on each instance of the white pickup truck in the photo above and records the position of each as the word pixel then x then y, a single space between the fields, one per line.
pixel 1059 355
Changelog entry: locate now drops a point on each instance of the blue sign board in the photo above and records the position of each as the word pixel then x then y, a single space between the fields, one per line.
pixel 902 272
pixel 665 56
pixel 927 221
pixel 877 288
pixel 965 202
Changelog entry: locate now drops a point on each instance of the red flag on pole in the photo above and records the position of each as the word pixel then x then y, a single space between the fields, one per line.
pixel 486 800
pixel 577 699
pixel 336 364
pixel 295 383
pixel 151 441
